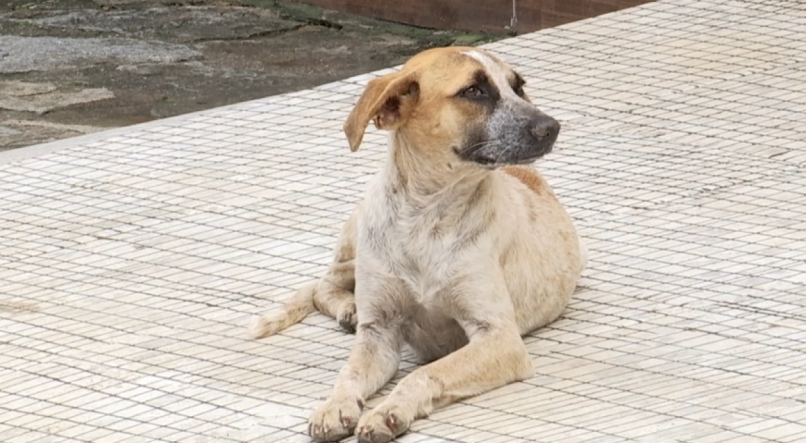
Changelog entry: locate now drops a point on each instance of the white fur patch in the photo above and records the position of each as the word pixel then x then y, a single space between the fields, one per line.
pixel 494 72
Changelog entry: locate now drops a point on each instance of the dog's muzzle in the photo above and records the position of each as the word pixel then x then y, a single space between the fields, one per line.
pixel 513 138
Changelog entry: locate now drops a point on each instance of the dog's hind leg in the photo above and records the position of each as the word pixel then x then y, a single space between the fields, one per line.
pixel 332 294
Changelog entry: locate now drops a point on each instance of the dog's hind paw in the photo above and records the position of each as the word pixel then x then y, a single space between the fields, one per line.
pixel 347 317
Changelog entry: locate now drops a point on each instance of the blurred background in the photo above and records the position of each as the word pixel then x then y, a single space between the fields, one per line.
pixel 72 67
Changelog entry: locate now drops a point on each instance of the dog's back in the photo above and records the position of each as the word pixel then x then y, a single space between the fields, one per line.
pixel 535 182
pixel 530 178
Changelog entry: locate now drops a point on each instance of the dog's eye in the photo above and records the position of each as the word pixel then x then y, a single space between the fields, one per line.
pixel 473 92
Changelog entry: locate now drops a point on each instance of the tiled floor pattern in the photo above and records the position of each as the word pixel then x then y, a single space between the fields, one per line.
pixel 131 263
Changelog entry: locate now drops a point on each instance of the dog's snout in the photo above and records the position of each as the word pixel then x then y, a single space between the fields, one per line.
pixel 515 135
pixel 545 128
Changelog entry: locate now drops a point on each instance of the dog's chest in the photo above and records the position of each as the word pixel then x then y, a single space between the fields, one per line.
pixel 420 252
pixel 424 241
pixel 425 265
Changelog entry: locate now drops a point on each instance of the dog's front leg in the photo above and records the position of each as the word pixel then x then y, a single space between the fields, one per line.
pixel 373 361
pixel 494 356
pixel 488 361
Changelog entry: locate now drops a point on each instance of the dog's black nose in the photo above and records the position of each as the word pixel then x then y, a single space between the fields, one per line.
pixel 545 129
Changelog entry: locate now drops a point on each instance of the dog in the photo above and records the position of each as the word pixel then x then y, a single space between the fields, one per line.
pixel 458 249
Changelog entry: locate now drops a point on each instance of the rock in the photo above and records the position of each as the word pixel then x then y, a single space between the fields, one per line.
pixel 23 89
pixel 16 133
pixel 188 24
pixel 140 69
pixel 43 97
pixel 80 129
pixel 5 131
pixel 27 54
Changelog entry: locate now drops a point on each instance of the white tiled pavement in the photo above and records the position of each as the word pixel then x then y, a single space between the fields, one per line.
pixel 130 262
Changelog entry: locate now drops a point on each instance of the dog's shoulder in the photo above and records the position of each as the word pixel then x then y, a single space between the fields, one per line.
pixel 530 178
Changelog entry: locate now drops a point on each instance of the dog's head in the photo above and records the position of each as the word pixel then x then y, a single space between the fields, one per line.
pixel 457 102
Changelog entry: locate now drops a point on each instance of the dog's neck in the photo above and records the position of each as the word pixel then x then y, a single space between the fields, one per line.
pixel 421 180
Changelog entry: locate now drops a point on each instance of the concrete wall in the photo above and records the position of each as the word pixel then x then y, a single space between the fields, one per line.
pixel 494 16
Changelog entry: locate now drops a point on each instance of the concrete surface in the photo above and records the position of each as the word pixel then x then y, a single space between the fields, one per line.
pixel 159 58
pixel 132 261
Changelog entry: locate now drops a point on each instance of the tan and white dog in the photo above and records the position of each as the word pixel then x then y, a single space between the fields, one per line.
pixel 456 250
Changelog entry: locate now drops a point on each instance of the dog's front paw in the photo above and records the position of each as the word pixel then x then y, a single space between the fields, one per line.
pixel 334 420
pixel 383 424
pixel 347 317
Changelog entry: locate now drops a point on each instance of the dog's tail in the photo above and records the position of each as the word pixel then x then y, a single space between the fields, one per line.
pixel 583 255
pixel 294 311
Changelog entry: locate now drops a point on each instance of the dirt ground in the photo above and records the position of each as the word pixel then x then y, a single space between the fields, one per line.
pixel 70 67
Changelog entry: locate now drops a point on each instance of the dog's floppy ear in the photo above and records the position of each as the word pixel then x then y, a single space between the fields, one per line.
pixel 383 101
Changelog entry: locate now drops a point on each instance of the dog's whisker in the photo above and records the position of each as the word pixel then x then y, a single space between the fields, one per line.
pixel 473 149
pixel 478 147
pixel 502 154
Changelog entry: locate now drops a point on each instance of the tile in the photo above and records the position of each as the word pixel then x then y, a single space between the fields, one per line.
pixel 132 263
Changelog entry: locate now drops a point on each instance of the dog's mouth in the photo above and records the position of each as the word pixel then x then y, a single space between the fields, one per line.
pixel 487 161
